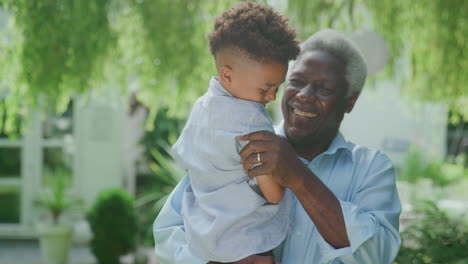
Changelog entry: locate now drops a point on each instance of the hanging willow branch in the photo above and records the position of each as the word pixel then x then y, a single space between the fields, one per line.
pixel 54 49
pixel 62 45
pixel 432 34
pixel 171 60
pixel 67 47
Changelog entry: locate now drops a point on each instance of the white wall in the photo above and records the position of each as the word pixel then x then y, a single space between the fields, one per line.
pixel 99 146
pixel 385 120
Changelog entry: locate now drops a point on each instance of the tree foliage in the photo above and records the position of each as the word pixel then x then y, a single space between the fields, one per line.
pixel 54 49
pixel 61 44
pixel 427 241
pixel 165 50
pixel 430 34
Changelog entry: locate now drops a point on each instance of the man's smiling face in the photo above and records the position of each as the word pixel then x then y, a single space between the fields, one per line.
pixel 314 100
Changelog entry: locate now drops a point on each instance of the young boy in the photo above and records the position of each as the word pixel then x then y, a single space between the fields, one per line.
pixel 228 217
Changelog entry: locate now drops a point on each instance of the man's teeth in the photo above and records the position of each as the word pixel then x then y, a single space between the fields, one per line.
pixel 306 114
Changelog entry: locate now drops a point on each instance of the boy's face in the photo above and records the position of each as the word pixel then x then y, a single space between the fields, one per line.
pixel 254 81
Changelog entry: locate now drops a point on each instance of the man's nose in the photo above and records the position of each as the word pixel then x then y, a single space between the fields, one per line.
pixel 307 93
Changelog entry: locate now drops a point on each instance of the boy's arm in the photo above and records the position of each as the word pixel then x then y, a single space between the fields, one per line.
pixel 271 190
pixel 169 232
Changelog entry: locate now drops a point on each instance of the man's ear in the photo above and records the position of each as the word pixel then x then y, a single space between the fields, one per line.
pixel 350 101
pixel 225 75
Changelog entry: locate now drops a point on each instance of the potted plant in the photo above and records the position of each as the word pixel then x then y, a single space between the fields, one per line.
pixel 55 199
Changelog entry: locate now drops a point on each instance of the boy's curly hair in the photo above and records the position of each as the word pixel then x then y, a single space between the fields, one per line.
pixel 257 30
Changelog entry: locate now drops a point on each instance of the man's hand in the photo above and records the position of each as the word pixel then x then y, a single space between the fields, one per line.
pixel 254 259
pixel 277 156
pixel 280 160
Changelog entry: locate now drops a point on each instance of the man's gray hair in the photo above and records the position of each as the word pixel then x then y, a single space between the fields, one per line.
pixel 337 44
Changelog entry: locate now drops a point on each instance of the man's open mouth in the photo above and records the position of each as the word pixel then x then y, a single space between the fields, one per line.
pixel 304 114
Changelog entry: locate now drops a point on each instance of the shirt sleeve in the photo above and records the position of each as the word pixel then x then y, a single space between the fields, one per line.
pixel 256 122
pixel 371 219
pixel 169 233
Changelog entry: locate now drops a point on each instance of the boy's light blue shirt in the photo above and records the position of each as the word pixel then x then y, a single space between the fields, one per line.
pixel 364 182
pixel 225 220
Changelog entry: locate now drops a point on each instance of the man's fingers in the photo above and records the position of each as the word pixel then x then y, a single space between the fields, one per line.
pixel 264 169
pixel 254 147
pixel 252 160
pixel 258 135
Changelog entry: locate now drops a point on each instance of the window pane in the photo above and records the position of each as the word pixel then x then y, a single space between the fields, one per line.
pixel 56 161
pixel 10 204
pixel 55 158
pixel 10 162
pixel 10 128
pixel 57 126
pixel 14 134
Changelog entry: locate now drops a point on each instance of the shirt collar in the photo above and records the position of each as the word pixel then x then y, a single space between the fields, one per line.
pixel 217 89
pixel 339 142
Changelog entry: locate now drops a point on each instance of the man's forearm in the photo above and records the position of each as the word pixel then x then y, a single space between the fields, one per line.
pixel 323 208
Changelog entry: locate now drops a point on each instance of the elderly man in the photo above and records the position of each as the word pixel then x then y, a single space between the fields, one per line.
pixel 346 205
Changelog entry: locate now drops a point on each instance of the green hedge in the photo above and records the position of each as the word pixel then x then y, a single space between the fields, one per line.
pixel 434 238
pixel 113 221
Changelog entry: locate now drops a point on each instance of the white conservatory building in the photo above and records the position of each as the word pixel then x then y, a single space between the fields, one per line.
pixel 96 141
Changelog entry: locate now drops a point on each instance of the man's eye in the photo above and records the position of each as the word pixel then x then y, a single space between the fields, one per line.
pixel 262 91
pixel 326 91
pixel 296 82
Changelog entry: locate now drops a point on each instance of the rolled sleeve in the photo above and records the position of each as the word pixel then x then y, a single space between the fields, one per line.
pixel 169 233
pixel 371 220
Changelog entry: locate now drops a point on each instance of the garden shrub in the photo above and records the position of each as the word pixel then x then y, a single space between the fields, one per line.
pixel 434 238
pixel 157 175
pixel 113 221
pixel 441 173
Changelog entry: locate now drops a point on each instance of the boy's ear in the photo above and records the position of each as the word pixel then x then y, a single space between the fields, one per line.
pixel 225 74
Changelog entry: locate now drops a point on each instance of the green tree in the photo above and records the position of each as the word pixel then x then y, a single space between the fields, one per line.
pixel 431 34
pixel 54 49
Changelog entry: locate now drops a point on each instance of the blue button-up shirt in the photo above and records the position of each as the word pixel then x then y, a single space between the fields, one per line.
pixel 363 180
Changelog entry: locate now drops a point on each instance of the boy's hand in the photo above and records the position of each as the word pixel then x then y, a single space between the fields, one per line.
pixel 277 156
pixel 254 259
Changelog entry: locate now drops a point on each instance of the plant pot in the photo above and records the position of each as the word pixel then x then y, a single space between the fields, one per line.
pixel 55 243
